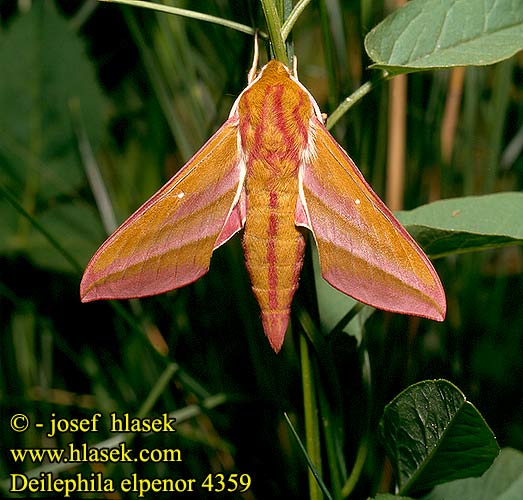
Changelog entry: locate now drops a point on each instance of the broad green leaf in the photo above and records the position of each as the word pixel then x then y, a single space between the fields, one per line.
pixel 459 225
pixel 433 435
pixel 44 66
pixel 502 481
pixel 429 34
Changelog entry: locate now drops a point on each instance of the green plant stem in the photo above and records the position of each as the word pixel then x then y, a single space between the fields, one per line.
pixel 190 14
pixel 310 405
pixel 293 17
pixel 333 448
pixel 275 31
pixel 92 171
pixel 351 100
pixel 83 14
pixel 309 462
pixel 355 474
pixel 160 86
pixel 157 390
pixel 330 63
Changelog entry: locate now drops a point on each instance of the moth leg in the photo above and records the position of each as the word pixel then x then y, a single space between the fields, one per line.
pixel 252 72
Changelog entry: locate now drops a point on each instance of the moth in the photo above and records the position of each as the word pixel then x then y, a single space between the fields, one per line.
pixel 273 170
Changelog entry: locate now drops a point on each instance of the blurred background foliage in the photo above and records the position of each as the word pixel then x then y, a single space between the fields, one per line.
pixel 142 92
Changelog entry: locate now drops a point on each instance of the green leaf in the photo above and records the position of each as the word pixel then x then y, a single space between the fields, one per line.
pixel 459 225
pixel 429 34
pixel 70 222
pixel 432 435
pixel 76 226
pixel 503 481
pixel 44 66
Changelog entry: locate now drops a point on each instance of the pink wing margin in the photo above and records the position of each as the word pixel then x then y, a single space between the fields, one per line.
pixel 168 242
pixel 364 251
